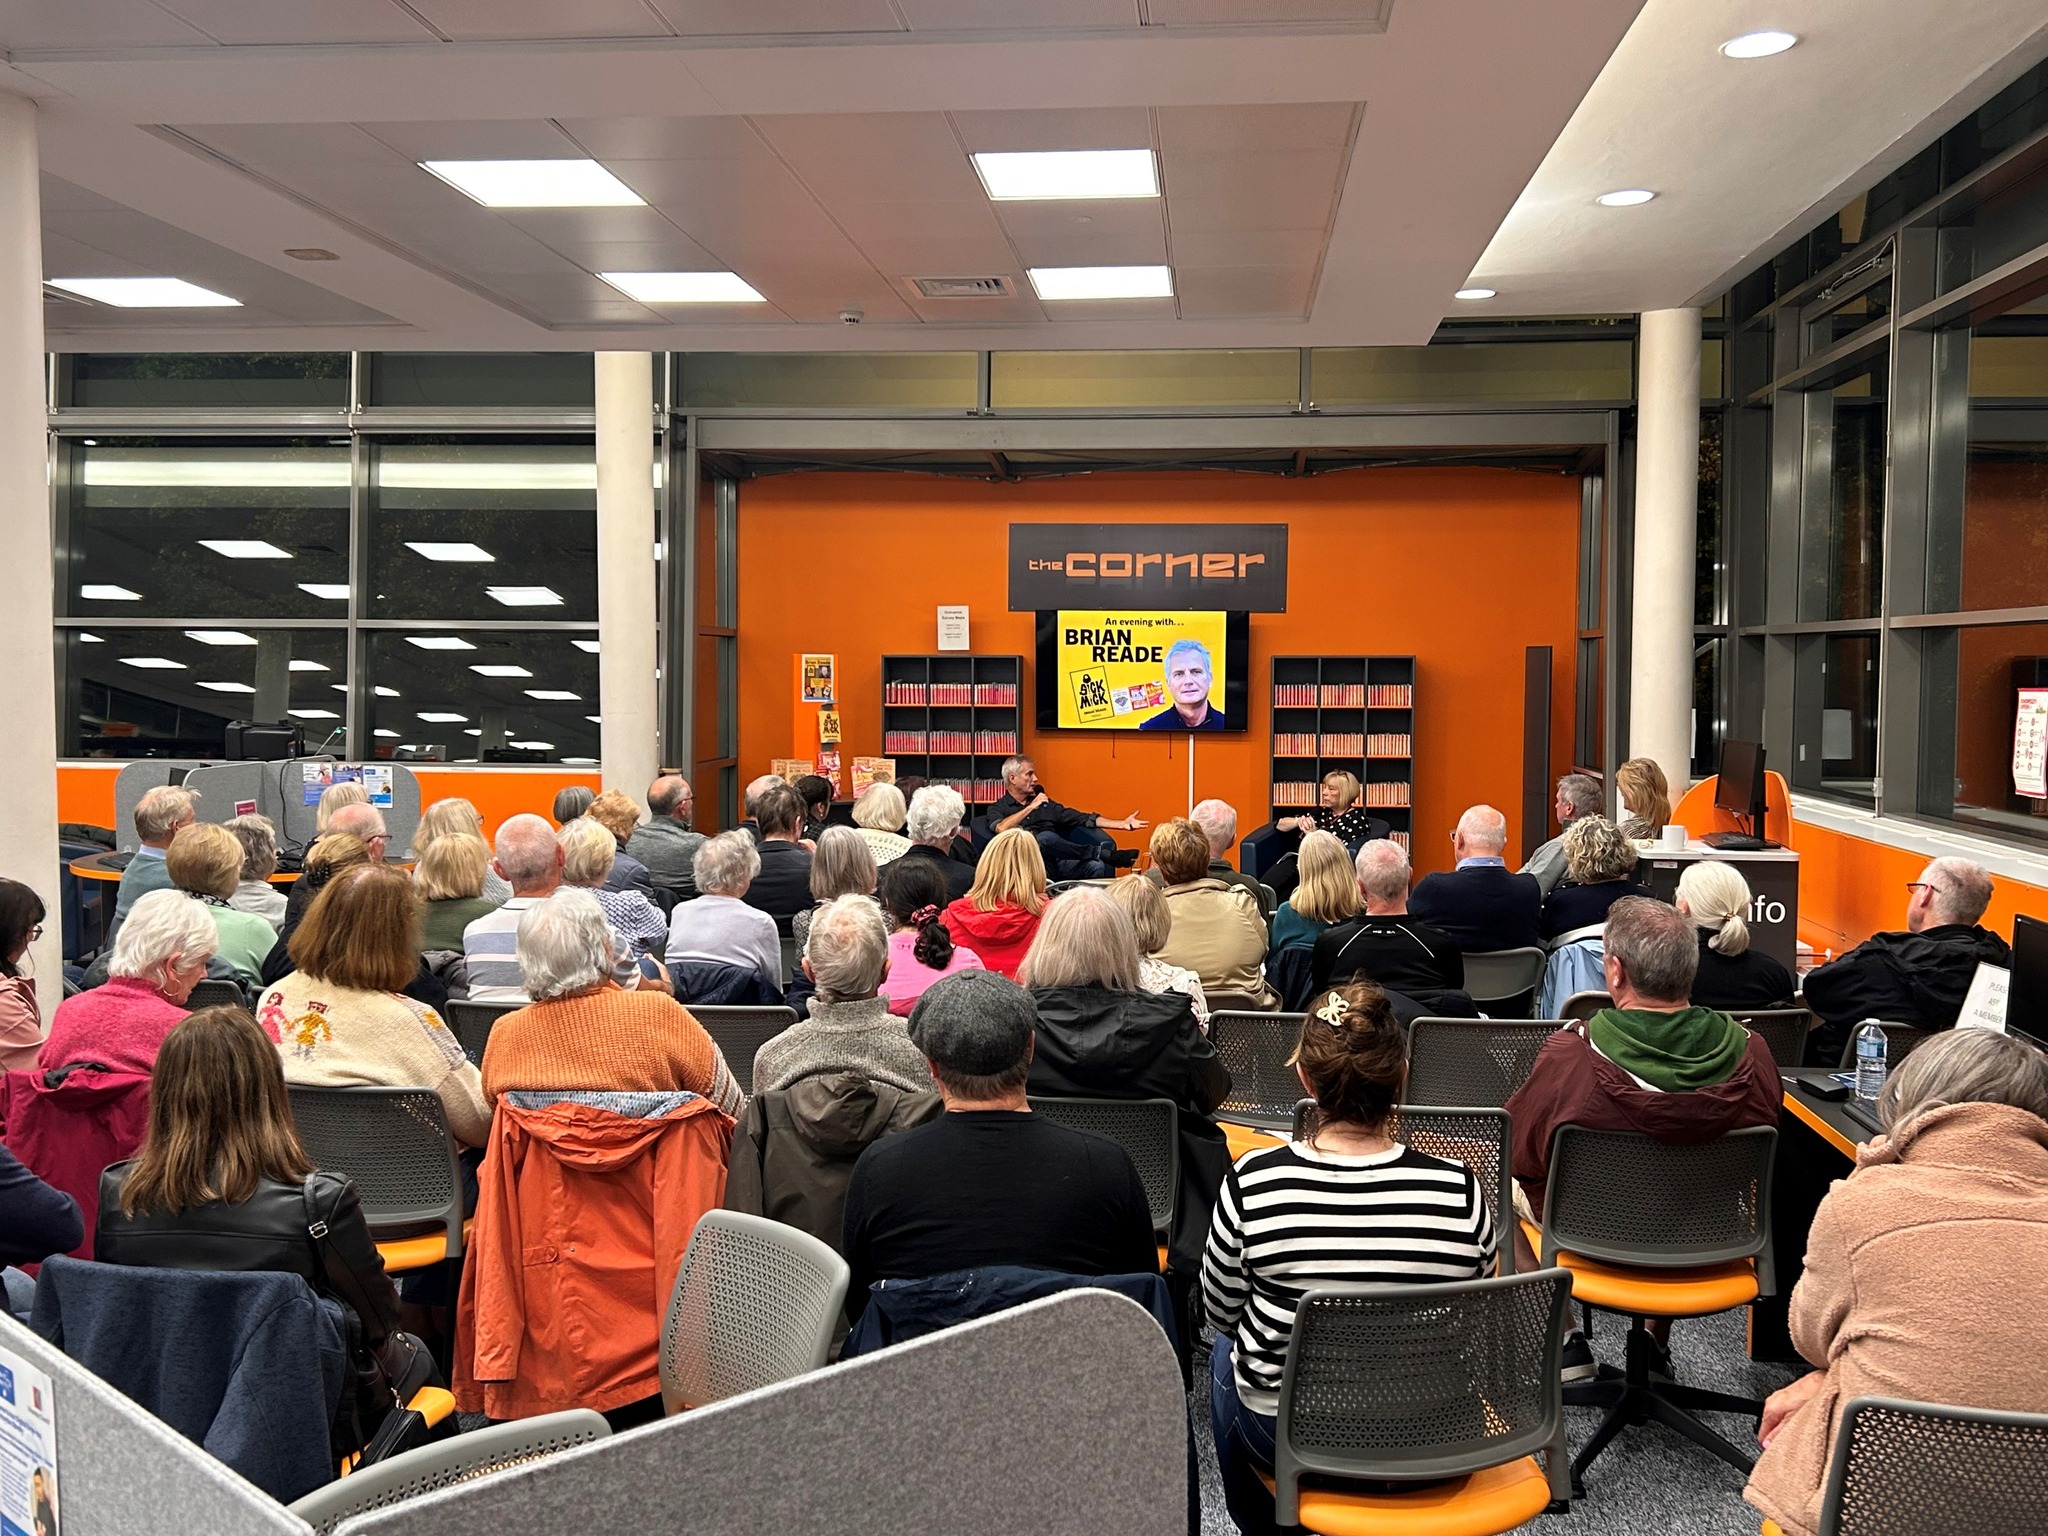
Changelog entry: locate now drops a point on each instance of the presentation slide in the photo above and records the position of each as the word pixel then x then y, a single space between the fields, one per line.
pixel 1120 670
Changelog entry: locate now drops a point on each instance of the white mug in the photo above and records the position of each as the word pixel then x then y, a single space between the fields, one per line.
pixel 1674 837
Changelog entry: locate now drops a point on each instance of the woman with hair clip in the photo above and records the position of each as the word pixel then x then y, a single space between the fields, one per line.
pixel 222 1183
pixel 1288 1218
pixel 921 948
pixel 1731 975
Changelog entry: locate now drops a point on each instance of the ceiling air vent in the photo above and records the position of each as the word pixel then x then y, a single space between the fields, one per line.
pixel 963 287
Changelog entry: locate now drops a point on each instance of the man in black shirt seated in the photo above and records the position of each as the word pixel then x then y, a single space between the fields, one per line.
pixel 1385 944
pixel 783 887
pixel 989 1182
pixel 1074 846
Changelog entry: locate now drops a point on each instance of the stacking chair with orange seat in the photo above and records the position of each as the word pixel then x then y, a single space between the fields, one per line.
pixel 1149 1130
pixel 1652 1230
pixel 1477 1063
pixel 1446 1391
pixel 395 1144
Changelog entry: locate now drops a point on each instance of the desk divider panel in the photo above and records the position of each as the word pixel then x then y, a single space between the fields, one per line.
pixel 1066 1414
pixel 121 1471
pixel 136 780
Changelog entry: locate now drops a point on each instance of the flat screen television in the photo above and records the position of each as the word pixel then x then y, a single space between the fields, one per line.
pixel 2026 1002
pixel 1739 787
pixel 1126 669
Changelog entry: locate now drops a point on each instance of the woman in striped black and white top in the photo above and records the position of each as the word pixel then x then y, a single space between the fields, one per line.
pixel 1347 1206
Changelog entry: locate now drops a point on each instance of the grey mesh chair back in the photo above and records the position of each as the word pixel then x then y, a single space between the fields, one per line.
pixel 755 1302
pixel 1901 1040
pixel 1258 1050
pixel 1504 975
pixel 472 1024
pixel 447 1462
pixel 1477 1063
pixel 215 992
pixel 394 1143
pixel 1478 1138
pixel 1921 1469
pixel 1784 1030
pixel 1583 1005
pixel 1421 1381
pixel 740 1032
pixel 1148 1129
pixel 1623 1198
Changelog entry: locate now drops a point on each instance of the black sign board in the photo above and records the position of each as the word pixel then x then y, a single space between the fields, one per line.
pixel 1238 567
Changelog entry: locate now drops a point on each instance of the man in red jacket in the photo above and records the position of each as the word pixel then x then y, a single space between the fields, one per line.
pixel 1652 1063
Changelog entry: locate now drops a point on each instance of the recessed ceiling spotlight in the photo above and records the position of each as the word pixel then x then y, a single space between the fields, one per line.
pixel 1042 175
pixel 143 292
pixel 1628 197
pixel 309 253
pixel 1758 45
pixel 685 287
pixel 1102 282
pixel 535 183
pixel 1474 293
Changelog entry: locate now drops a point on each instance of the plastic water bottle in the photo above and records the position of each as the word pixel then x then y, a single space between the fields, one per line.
pixel 1872 1059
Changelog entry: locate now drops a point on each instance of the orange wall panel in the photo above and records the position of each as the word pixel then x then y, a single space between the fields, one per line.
pixel 1460 568
pixel 1850 888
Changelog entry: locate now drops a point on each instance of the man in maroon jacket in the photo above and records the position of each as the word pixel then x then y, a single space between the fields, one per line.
pixel 1652 1063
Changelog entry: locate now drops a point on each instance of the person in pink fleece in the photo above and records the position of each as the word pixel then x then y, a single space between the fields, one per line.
pixel 160 954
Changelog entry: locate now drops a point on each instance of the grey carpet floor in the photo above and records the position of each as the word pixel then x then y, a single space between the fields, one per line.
pixel 1649 1480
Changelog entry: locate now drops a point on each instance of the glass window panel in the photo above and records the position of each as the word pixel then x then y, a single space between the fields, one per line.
pixel 1992 664
pixel 1706 705
pixel 1836 705
pixel 2008 367
pixel 183 529
pixel 209 378
pixel 166 708
pixel 1506 371
pixel 1711 385
pixel 877 380
pixel 500 719
pixel 1849 317
pixel 1109 380
pixel 2004 543
pixel 1708 568
pixel 490 528
pixel 1844 557
pixel 566 379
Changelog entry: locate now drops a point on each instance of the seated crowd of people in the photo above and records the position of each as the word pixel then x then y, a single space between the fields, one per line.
pixel 940 982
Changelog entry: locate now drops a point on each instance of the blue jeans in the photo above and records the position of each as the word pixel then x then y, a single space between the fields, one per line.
pixel 1082 854
pixel 1244 1444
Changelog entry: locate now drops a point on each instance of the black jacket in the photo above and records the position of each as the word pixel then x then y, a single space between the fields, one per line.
pixel 35 1219
pixel 1049 817
pixel 783 888
pixel 1482 908
pixel 1400 952
pixel 269 1230
pixel 1093 1043
pixel 1739 983
pixel 1572 907
pixel 1901 978
pixel 959 874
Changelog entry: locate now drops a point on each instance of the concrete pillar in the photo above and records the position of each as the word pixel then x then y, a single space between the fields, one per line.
pixel 627 583
pixel 1666 508
pixel 28 683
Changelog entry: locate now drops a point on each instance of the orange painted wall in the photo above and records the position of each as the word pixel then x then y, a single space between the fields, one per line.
pixel 1460 568
pixel 85 793
pixel 1850 888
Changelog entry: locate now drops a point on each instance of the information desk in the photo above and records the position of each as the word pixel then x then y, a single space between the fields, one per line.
pixel 1773 878
pixel 1817 1143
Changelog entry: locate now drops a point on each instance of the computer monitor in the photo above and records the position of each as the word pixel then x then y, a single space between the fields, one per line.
pixel 1740 785
pixel 2026 1003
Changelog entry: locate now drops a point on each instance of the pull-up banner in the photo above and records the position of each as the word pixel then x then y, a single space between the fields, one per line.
pixel 1236 567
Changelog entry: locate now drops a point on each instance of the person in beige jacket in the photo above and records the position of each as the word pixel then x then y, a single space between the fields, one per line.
pixel 1924 1268
pixel 1216 932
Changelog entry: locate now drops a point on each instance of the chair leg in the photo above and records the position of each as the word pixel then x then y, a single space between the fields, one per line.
pixel 1618 1417
pixel 1673 1417
pixel 1701 1400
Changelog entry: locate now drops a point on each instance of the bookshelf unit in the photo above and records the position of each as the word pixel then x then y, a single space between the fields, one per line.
pixel 1351 712
pixel 953 718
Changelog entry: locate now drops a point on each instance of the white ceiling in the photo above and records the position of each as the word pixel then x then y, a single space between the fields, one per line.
pixel 1332 169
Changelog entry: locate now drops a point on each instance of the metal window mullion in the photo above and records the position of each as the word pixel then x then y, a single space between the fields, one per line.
pixel 357 742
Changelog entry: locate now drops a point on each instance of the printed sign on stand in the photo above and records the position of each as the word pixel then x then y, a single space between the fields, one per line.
pixel 29 1503
pixel 2030 744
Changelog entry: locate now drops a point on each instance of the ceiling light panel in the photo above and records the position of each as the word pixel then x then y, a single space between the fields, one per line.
pixel 500 669
pixel 1063 283
pixel 220 637
pixel 1627 197
pixel 441 717
pixel 525 597
pixel 336 591
pixel 1471 295
pixel 535 183
pixel 450 552
pixel 312 714
pixel 585 645
pixel 551 694
pixel 439 642
pixel 1758 45
pixel 246 549
pixel 153 663
pixel 144 292
pixel 227 687
pixel 684 287
pixel 101 592
pixel 308 666
pixel 1043 175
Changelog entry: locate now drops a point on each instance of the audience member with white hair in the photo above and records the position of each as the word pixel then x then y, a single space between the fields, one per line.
pixel 529 859
pixel 850 1028
pixel 638 928
pixel 1101 1035
pixel 879 815
pixel 1480 905
pixel 1218 821
pixel 332 799
pixel 841 865
pixel 1385 943
pixel 756 788
pixel 352 820
pixel 581 1034
pixel 719 928
pixel 255 893
pixel 1733 974
pixel 160 955
pixel 1918 977
pixel 158 815
pixel 933 825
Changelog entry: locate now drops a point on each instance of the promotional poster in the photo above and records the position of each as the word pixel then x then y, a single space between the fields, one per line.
pixel 1132 671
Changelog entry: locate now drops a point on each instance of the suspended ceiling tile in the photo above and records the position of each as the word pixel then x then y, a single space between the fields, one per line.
pixel 1056 128
pixel 1245 247
pixel 474 20
pixel 518 139
pixel 302 21
pixel 817 300
pixel 1009 15
pixel 776 18
pixel 911 254
pixel 874 156
pixel 1370 15
pixel 1069 310
pixel 1277 125
pixel 1228 293
pixel 677 253
pixel 93 24
pixel 293 144
pixel 960 219
pixel 1085 219
pixel 667 138
pixel 564 226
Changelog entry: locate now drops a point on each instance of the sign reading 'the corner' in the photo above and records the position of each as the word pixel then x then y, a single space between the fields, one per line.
pixel 1239 567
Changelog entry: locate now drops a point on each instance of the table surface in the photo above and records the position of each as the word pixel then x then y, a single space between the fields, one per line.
pixel 1695 849
pixel 1828 1120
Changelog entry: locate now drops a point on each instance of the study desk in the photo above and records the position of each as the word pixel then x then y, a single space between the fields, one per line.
pixel 1817 1143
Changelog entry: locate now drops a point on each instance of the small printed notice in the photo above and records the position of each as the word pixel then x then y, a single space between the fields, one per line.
pixel 817 678
pixel 2030 744
pixel 245 807
pixel 952 628
pixel 28 1450
pixel 1984 1004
